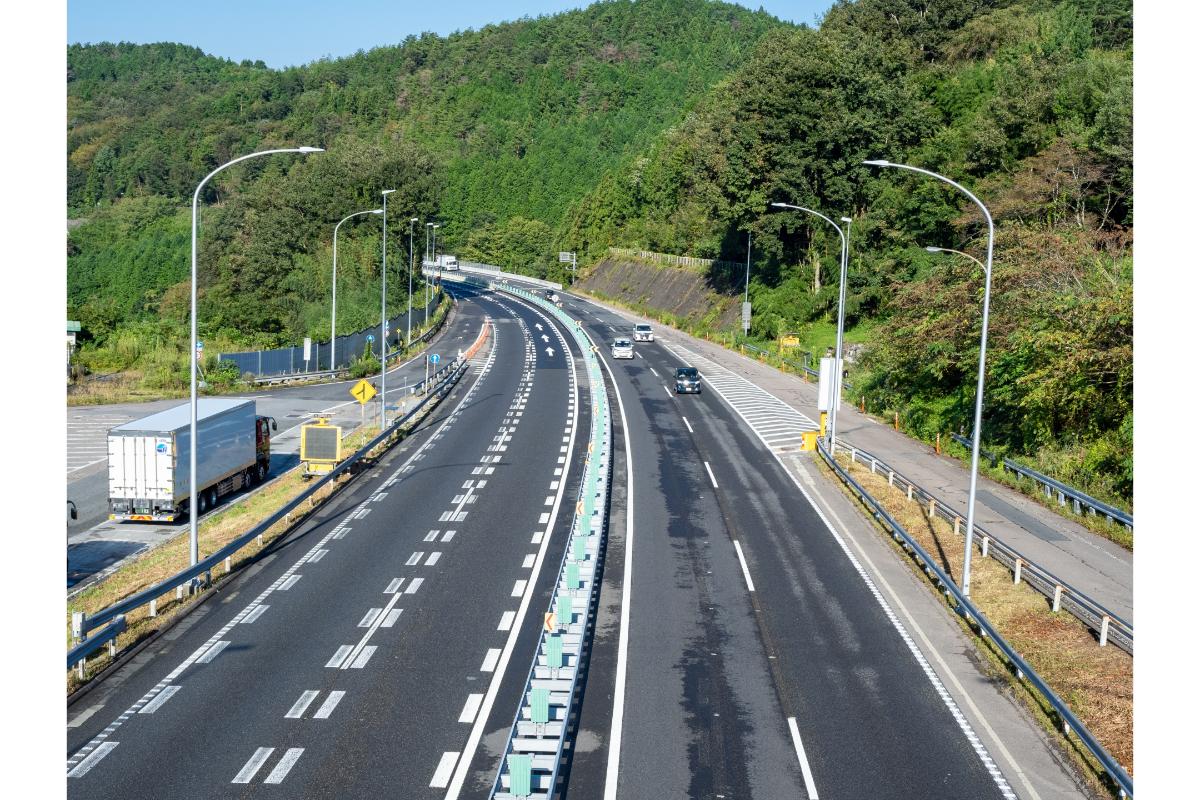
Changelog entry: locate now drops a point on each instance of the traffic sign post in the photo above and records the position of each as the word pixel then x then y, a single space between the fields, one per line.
pixel 434 358
pixel 745 318
pixel 362 391
pixel 307 352
pixel 566 257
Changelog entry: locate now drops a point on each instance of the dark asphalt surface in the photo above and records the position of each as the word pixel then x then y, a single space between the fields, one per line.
pixel 715 670
pixel 401 710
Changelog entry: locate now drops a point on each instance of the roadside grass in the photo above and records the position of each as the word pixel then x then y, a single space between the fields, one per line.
pixel 1095 682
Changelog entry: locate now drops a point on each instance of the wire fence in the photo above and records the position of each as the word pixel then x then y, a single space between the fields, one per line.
pixel 290 360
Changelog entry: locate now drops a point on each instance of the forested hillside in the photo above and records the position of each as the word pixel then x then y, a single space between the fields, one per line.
pixel 490 132
pixel 666 125
pixel 1030 104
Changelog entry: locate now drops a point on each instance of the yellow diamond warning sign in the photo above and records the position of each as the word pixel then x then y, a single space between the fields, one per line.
pixel 363 391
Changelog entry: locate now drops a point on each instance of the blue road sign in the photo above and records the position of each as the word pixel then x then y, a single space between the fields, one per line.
pixel 370 337
pixel 435 358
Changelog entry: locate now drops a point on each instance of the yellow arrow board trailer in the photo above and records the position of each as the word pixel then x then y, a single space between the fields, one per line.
pixel 320 447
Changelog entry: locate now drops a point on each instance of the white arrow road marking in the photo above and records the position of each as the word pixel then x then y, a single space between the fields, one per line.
pixel 550 351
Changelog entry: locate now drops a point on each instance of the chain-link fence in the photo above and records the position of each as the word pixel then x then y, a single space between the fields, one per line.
pixel 290 360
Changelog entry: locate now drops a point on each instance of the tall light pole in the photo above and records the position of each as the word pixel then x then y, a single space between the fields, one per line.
pixel 434 226
pixel 193 506
pixel 844 233
pixel 428 230
pixel 987 297
pixel 408 332
pixel 383 323
pixel 333 314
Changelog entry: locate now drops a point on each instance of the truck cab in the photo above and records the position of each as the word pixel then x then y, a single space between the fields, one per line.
pixel 262 446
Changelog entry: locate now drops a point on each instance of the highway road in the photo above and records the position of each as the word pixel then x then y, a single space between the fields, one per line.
pixel 742 649
pixel 93 543
pixel 353 659
pixel 760 662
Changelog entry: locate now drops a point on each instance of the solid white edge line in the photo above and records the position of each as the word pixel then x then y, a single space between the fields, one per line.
pixel 468 753
pixel 711 477
pixel 809 786
pixel 742 560
pixel 689 425
pixel 613 770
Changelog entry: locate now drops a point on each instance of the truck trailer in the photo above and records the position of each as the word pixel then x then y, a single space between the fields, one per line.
pixel 149 459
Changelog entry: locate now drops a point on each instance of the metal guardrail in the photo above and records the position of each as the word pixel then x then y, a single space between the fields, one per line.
pixel 1070 723
pixel 183 578
pixel 491 271
pixel 529 764
pixel 1107 625
pixel 1079 500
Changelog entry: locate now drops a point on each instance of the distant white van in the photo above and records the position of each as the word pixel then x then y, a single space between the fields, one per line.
pixel 643 333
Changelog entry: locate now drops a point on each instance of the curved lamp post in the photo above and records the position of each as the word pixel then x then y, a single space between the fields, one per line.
pixel 333 315
pixel 408 331
pixel 844 233
pixel 193 506
pixel 383 326
pixel 987 295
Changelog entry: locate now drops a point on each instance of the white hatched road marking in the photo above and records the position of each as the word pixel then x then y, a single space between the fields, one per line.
pixel 445 768
pixel 329 705
pixel 213 646
pixel 285 765
pixel 780 426
pixel 471 708
pixel 163 696
pixel 489 660
pixel 93 758
pixel 300 706
pixel 246 774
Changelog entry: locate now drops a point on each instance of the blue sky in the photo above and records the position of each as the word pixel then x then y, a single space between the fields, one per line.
pixel 288 33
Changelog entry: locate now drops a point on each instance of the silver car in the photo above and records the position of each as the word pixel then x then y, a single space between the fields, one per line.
pixel 622 348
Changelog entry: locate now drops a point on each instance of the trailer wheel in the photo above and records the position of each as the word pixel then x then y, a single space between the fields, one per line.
pixel 213 498
pixel 202 502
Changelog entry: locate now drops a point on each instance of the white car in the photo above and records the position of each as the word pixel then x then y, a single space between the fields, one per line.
pixel 622 348
pixel 643 333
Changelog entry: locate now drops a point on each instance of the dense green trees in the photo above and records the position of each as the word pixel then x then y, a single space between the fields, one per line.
pixel 664 125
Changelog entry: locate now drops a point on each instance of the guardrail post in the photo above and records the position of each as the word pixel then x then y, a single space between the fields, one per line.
pixel 80 666
pixel 932 507
pixel 853 456
pixel 891 477
pixel 154 607
pixel 1017 571
pixel 1104 631
pixel 986 542
pixel 1057 599
pixel 228 567
pixel 873 466
pixel 957 520
pixel 179 592
pixel 1062 499
pixel 910 491
pixel 1078 508
pixel 77 620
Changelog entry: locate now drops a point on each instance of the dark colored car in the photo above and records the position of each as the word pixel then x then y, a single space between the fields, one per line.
pixel 687 380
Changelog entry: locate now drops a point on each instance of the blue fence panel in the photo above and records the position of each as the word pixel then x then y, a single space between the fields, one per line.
pixel 288 360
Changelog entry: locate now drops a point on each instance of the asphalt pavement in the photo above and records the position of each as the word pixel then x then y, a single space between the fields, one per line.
pixel 378 650
pixel 95 544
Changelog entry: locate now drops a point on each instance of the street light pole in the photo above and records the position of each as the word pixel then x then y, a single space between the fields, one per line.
pixel 383 323
pixel 435 226
pixel 193 506
pixel 428 229
pixel 408 333
pixel 746 294
pixel 837 361
pixel 987 296
pixel 333 315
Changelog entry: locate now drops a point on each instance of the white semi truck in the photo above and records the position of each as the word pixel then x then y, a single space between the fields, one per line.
pixel 149 459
